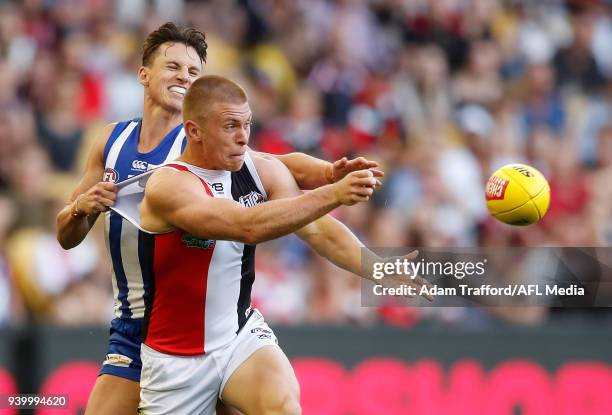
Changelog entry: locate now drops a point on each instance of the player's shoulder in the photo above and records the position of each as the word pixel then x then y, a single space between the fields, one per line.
pixel 168 179
pixel 265 162
pixel 97 137
pixel 105 132
pixel 168 173
pixel 272 172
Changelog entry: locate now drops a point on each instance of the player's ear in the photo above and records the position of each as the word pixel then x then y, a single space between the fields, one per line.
pixel 193 130
pixel 143 76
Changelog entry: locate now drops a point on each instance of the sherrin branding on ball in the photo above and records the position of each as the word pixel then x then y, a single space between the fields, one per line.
pixel 517 194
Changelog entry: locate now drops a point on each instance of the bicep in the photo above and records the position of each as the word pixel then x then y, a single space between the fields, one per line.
pixel 94 169
pixel 189 208
pixel 308 172
pixel 208 217
pixel 276 177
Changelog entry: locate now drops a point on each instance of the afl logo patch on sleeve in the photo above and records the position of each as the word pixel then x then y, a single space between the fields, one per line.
pixel 110 175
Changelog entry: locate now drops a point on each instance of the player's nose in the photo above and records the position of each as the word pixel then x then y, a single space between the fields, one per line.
pixel 183 74
pixel 242 137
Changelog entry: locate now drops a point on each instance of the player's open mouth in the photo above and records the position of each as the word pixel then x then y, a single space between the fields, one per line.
pixel 178 89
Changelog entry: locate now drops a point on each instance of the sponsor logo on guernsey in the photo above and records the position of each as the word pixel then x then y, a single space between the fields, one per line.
pixel 496 188
pixel 117 360
pixel 140 165
pixel 191 241
pixel 251 199
pixel 110 175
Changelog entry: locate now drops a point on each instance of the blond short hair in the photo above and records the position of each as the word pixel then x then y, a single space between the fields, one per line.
pixel 207 91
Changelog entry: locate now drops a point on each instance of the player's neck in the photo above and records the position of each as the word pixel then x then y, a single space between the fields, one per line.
pixel 156 124
pixel 196 158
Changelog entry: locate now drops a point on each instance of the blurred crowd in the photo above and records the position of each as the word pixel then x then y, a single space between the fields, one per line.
pixel 440 92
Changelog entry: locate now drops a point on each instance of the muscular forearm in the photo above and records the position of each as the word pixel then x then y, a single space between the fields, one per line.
pixel 72 230
pixel 309 172
pixel 283 216
pixel 333 240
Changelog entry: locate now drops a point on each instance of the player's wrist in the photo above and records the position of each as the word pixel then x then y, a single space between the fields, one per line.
pixel 329 173
pixel 336 194
pixel 368 260
pixel 328 195
pixel 75 210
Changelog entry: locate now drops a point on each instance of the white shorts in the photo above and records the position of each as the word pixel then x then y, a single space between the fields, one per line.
pixel 172 384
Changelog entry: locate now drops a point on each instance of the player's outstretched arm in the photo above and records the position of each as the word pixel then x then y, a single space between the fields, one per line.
pixel 332 239
pixel 327 236
pixel 90 197
pixel 177 199
pixel 310 172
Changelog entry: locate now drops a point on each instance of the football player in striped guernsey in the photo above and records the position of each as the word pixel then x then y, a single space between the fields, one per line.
pixel 173 58
pixel 202 340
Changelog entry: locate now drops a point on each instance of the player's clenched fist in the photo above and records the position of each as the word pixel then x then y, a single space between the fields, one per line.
pixel 97 199
pixel 356 187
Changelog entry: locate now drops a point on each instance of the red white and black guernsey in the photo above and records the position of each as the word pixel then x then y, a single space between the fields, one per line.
pixel 197 292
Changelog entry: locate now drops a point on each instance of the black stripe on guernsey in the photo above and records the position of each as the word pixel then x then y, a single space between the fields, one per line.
pixel 242 185
pixel 146 254
pixel 246 283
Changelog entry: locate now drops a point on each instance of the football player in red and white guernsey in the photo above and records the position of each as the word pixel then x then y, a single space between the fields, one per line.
pixel 202 217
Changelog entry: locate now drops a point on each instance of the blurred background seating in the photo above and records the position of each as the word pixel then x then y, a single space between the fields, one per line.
pixel 441 92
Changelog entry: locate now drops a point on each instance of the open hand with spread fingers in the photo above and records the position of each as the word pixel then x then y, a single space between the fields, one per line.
pixel 340 168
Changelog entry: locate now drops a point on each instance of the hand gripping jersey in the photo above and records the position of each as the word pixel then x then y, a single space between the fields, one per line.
pixel 197 291
pixel 122 160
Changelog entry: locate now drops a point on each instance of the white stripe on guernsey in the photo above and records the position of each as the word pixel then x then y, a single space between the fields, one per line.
pixel 131 268
pixel 115 149
pixel 222 291
pixel 130 193
pixel 175 150
pixel 117 303
pixel 253 171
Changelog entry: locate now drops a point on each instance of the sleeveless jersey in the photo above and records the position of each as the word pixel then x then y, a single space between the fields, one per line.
pixel 198 292
pixel 122 160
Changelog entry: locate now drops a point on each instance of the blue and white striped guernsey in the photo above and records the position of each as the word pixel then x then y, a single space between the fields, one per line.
pixel 122 160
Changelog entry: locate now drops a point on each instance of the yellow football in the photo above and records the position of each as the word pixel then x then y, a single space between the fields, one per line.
pixel 517 194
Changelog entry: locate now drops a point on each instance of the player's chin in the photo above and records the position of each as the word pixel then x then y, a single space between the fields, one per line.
pixel 172 106
pixel 235 163
pixel 175 102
